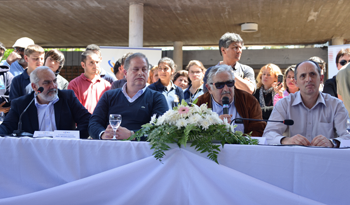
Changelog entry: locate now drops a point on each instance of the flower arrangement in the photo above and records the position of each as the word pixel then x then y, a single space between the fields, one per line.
pixel 198 125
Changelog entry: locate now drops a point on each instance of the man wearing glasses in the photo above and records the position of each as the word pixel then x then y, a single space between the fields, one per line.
pixel 221 83
pixel 343 58
pixel 15 61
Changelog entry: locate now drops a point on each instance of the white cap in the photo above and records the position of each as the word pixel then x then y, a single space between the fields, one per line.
pixel 23 42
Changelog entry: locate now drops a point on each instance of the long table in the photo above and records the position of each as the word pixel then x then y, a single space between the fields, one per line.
pixel 58 171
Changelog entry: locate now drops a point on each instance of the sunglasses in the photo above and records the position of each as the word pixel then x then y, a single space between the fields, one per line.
pixel 343 62
pixel 220 85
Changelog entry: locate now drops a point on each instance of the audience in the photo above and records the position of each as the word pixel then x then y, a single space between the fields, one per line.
pixel 54 59
pixel 103 74
pixel 153 75
pixel 53 109
pixel 230 47
pixel 196 72
pixel 265 93
pixel 5 82
pixel 319 119
pixel 181 80
pixel 89 86
pixel 343 88
pixel 172 93
pixel 288 85
pixel 120 72
pixel 330 86
pixel 34 56
pixel 15 61
pixel 221 83
pixel 322 65
pixel 135 102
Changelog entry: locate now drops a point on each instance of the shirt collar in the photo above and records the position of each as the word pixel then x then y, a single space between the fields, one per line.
pixel 37 104
pixel 96 79
pixel 218 105
pixel 299 100
pixel 140 91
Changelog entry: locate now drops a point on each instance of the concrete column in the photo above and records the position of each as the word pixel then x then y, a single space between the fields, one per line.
pixel 178 55
pixel 136 25
pixel 338 41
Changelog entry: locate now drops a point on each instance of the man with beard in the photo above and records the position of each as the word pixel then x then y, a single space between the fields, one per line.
pixel 220 84
pixel 52 109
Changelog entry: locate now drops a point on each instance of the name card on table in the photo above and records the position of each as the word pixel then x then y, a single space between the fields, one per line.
pixel 66 134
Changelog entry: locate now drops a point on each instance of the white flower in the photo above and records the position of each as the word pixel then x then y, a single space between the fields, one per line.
pixel 160 120
pixel 205 124
pixel 196 109
pixel 213 118
pixel 181 123
pixel 195 119
pixel 233 128
pixel 153 119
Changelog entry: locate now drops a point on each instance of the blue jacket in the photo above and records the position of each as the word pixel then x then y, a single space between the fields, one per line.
pixel 19 84
pixel 134 114
pixel 169 95
pixel 68 112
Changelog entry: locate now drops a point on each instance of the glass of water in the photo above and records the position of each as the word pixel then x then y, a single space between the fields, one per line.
pixel 114 121
pixel 2 117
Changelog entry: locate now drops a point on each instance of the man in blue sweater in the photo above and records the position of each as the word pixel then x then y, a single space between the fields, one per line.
pixel 134 102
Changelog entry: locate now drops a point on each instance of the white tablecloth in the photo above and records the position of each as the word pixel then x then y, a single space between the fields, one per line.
pixel 48 171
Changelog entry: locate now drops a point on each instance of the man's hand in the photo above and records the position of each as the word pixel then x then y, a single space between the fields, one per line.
pixel 226 116
pixel 123 133
pixel 108 134
pixel 4 109
pixel 296 139
pixel 13 57
pixel 321 141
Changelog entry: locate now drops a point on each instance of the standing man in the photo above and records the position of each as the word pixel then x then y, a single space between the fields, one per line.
pixel 135 102
pixel 330 86
pixel 89 86
pixel 105 75
pixel 230 47
pixel 319 119
pixel 5 82
pixel 34 56
pixel 15 61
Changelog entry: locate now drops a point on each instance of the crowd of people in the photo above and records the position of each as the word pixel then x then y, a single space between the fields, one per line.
pixel 138 91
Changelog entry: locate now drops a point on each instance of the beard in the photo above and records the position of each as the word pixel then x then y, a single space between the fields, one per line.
pixel 50 95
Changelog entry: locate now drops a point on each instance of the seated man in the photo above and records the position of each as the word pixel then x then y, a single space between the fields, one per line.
pixel 5 82
pixel 134 102
pixel 318 117
pixel 220 83
pixel 53 109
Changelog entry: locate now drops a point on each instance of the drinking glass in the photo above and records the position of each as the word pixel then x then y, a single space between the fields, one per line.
pixel 2 117
pixel 114 121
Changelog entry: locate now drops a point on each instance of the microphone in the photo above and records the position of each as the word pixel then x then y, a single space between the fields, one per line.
pixel 225 103
pixel 19 132
pixel 286 121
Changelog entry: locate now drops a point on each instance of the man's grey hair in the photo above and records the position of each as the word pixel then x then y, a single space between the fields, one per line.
pixel 34 74
pixel 318 68
pixel 219 69
pixel 135 55
pixel 228 38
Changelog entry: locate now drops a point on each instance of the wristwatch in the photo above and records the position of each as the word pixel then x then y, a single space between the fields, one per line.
pixel 335 143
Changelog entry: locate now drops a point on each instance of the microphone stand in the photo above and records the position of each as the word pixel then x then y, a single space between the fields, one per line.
pixel 18 132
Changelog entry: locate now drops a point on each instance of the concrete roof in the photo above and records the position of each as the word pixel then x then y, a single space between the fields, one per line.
pixel 77 23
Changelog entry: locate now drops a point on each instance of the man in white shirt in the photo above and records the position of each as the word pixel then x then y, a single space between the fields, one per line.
pixel 319 119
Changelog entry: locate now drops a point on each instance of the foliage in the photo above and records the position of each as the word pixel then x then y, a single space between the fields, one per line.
pixel 197 125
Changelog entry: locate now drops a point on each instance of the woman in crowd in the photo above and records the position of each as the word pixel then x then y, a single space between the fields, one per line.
pixel 265 92
pixel 196 72
pixel 153 75
pixel 172 93
pixel 288 85
pixel 322 65
pixel 181 79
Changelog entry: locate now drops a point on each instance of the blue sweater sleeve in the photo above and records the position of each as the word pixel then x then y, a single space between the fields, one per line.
pixel 15 90
pixel 98 122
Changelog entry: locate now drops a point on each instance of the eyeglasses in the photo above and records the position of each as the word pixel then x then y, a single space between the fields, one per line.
pixel 343 62
pixel 220 85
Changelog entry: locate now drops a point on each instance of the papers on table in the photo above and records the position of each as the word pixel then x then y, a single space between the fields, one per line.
pixel 67 134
